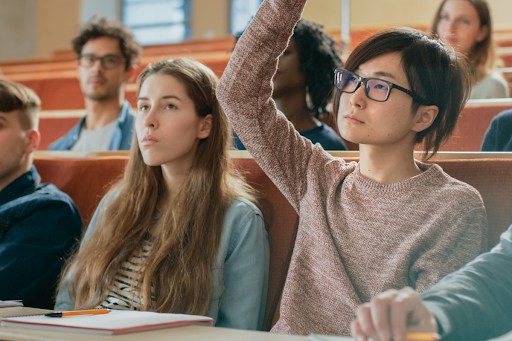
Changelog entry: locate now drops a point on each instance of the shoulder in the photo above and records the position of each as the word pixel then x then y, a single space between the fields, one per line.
pixel 49 193
pixel 504 116
pixel 241 209
pixel 455 189
pixel 66 141
pixel 493 85
pixel 326 136
pixel 242 219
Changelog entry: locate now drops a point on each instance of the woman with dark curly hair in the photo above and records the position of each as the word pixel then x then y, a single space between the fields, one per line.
pixel 303 84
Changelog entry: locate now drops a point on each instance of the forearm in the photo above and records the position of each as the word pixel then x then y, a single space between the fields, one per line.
pixel 245 93
pixel 475 303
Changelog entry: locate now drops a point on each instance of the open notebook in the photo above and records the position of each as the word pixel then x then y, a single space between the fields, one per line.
pixel 115 322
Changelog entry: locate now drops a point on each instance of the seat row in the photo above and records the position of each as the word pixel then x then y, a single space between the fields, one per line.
pixel 468 134
pixel 86 177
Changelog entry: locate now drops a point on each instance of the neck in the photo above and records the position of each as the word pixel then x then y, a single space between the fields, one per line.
pixel 387 164
pixel 174 178
pixel 6 179
pixel 295 108
pixel 101 113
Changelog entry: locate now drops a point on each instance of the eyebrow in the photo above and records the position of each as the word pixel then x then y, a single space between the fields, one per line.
pixel 163 97
pixel 384 74
pixel 378 74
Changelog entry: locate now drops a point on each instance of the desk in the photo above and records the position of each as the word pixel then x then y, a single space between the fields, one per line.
pixel 186 333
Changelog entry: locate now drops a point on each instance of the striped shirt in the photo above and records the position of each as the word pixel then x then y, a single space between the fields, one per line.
pixel 125 289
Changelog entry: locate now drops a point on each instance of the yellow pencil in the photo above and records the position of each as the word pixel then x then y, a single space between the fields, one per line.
pixel 416 336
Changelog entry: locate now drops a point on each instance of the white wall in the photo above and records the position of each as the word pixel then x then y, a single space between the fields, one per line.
pixel 18 28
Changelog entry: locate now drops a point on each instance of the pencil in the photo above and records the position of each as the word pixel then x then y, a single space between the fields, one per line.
pixel 415 336
pixel 78 312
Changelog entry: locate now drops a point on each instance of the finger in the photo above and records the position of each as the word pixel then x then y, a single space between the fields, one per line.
pixel 408 311
pixel 357 332
pixel 365 322
pixel 380 308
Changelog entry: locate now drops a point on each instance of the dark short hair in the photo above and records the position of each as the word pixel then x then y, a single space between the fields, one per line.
pixel 17 97
pixel 99 27
pixel 318 58
pixel 434 71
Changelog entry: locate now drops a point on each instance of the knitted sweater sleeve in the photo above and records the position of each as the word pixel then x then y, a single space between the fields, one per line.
pixel 245 91
pixel 457 245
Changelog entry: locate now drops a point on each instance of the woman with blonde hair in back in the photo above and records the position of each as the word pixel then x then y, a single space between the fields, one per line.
pixel 180 232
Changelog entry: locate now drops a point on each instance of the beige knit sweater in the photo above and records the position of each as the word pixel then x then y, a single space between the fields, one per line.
pixel 356 237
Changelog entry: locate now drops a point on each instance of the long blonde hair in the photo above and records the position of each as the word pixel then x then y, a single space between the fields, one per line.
pixel 177 273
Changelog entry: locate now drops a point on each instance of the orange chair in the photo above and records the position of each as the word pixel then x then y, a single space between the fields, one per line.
pixel 473 122
pixel 86 179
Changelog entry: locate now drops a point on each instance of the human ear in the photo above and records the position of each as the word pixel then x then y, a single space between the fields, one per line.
pixel 33 139
pixel 425 116
pixel 205 127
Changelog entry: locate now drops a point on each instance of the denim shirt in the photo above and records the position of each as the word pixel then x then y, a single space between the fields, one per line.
pixel 121 138
pixel 39 225
pixel 240 271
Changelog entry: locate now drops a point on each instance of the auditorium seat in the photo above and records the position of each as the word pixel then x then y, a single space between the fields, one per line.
pixel 85 177
pixel 473 122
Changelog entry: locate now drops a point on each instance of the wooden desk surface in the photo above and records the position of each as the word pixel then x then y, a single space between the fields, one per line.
pixel 186 333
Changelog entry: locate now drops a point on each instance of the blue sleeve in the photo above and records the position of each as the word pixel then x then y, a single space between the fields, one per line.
pixel 475 303
pixel 34 247
pixel 246 269
pixel 498 137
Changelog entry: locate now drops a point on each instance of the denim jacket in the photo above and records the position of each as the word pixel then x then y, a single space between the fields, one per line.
pixel 121 138
pixel 240 271
pixel 39 225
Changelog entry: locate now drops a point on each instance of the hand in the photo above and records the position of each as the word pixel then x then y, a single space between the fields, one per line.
pixel 390 314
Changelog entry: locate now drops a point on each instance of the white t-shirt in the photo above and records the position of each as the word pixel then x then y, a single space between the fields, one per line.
pixel 95 140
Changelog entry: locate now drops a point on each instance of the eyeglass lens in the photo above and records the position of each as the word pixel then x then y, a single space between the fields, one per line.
pixel 376 89
pixel 107 61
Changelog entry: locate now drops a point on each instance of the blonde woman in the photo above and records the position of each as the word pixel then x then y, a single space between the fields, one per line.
pixel 180 232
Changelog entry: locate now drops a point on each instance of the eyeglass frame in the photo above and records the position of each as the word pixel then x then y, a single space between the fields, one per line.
pixel 364 80
pixel 92 58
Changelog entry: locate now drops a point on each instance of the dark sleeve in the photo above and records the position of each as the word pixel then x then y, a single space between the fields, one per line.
pixel 475 303
pixel 33 248
pixel 498 136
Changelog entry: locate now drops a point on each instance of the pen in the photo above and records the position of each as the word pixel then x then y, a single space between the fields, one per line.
pixel 78 312
pixel 415 336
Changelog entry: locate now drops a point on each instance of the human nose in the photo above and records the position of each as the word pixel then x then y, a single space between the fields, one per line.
pixel 358 97
pixel 150 119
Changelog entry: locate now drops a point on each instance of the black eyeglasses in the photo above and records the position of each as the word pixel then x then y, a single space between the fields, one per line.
pixel 375 88
pixel 109 61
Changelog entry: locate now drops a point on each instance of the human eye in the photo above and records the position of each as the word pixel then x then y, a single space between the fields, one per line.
pixel 111 61
pixel 170 106
pixel 88 59
pixel 142 107
pixel 443 17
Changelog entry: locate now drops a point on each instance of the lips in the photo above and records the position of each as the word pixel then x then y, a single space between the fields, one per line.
pixel 95 80
pixel 352 118
pixel 149 140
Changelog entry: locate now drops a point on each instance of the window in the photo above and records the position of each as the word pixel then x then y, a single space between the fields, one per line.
pixel 156 22
pixel 242 12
